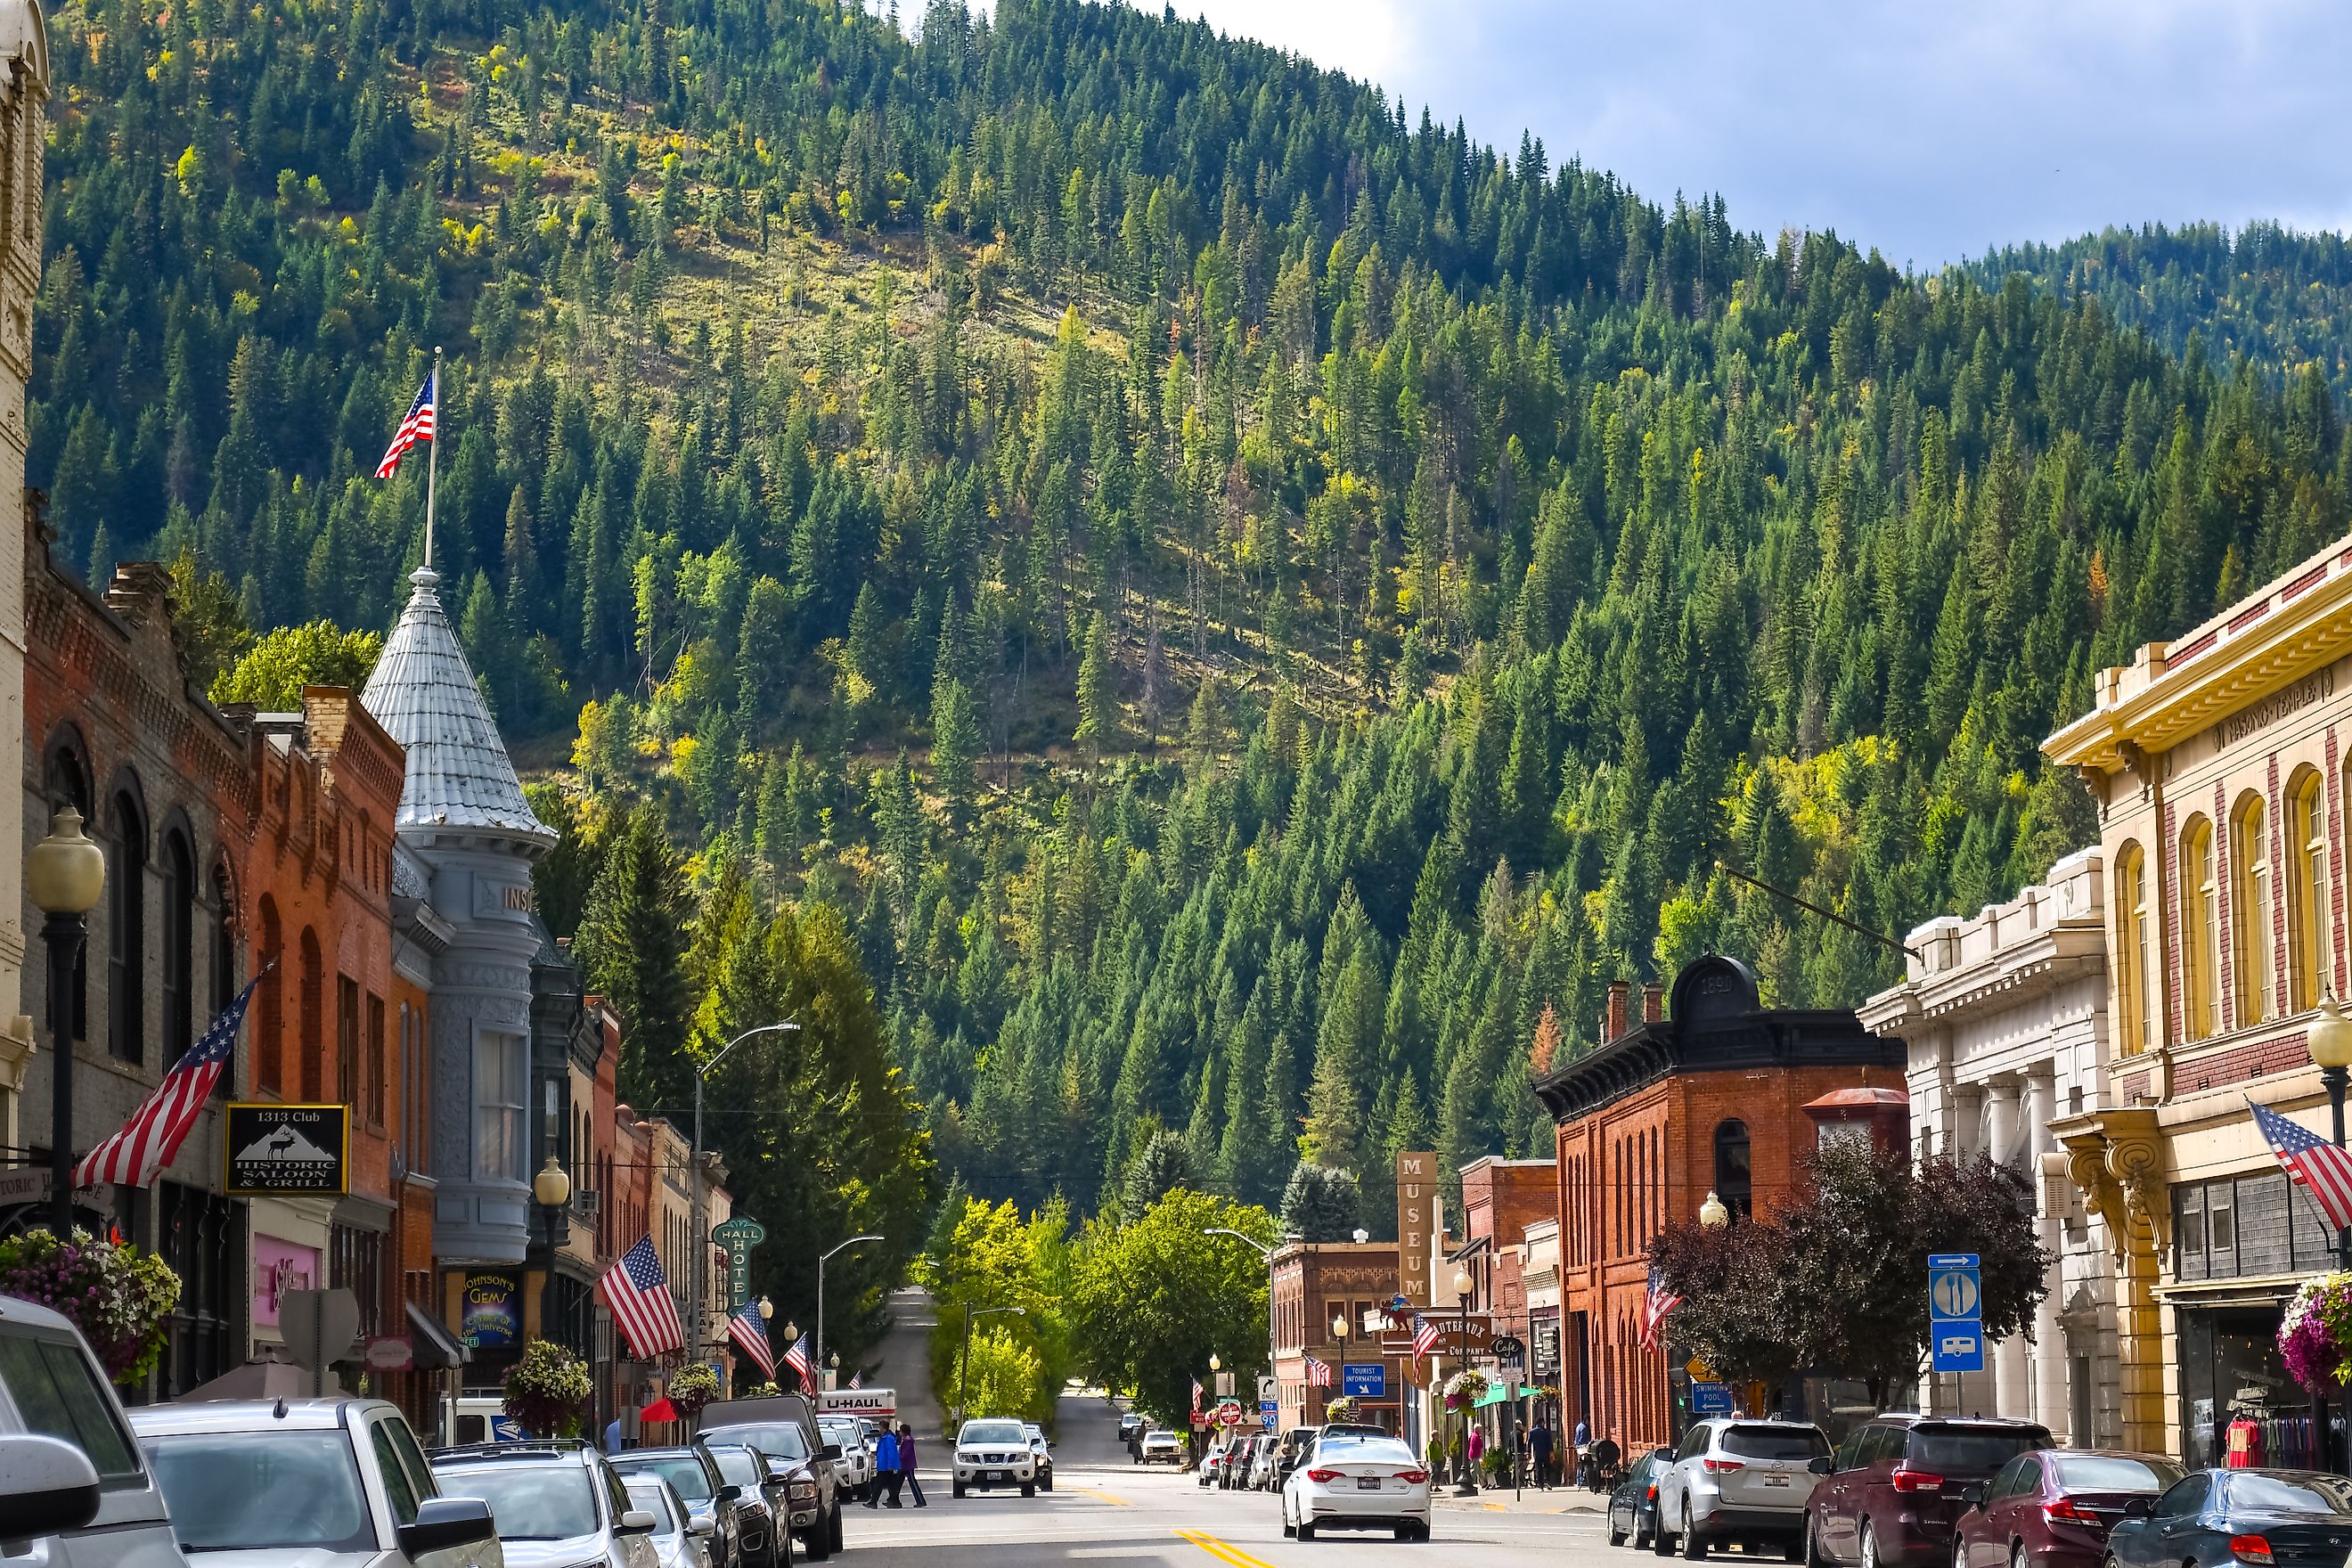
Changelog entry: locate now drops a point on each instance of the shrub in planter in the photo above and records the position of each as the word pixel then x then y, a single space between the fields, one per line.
pixel 2314 1333
pixel 691 1387
pixel 117 1296
pixel 1465 1389
pixel 548 1391
pixel 759 1391
pixel 1340 1409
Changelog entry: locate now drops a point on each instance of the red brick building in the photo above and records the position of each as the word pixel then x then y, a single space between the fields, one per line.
pixel 1310 1288
pixel 1706 1097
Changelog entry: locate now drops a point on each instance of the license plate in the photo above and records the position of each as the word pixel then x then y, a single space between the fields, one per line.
pixel 1368 1483
pixel 1776 1480
pixel 999 1474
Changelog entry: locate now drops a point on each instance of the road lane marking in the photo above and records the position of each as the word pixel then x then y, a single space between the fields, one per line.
pixel 1102 1497
pixel 1222 1550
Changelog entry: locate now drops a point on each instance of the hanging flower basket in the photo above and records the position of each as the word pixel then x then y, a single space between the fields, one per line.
pixel 117 1296
pixel 2315 1334
pixel 1340 1409
pixel 1465 1389
pixel 759 1391
pixel 548 1391
pixel 691 1387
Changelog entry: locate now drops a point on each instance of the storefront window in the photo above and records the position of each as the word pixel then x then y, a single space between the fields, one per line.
pixel 2231 1376
pixel 498 1088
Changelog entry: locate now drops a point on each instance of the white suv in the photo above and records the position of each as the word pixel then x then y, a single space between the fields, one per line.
pixel 991 1452
pixel 1738 1479
pixel 75 1491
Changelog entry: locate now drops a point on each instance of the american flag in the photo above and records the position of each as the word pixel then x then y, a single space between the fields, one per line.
pixel 1196 1396
pixel 418 426
pixel 2325 1171
pixel 155 1132
pixel 1318 1373
pixel 856 1379
pixel 1655 1307
pixel 1425 1336
pixel 638 1292
pixel 798 1359
pixel 750 1336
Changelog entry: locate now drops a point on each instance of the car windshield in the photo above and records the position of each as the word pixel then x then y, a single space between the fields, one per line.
pixel 1773 1442
pixel 848 1434
pixel 1971 1451
pixel 2291 1494
pixel 530 1502
pixel 738 1465
pixel 2113 1473
pixel 654 1498
pixel 992 1432
pixel 249 1491
pixel 693 1482
pixel 777 1439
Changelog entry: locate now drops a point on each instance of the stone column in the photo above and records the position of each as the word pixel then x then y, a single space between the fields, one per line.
pixel 2010 1384
pixel 2050 1403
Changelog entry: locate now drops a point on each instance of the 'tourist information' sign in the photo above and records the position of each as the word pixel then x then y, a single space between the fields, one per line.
pixel 282 1149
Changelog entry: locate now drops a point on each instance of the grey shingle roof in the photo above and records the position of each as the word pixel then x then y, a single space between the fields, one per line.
pixel 424 695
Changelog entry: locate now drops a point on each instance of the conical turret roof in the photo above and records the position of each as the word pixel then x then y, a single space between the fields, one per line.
pixel 424 695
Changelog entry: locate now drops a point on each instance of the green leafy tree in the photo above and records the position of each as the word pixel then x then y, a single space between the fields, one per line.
pixel 1151 1300
pixel 273 672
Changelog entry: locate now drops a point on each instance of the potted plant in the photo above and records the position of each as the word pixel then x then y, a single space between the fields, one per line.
pixel 548 1391
pixel 691 1387
pixel 1341 1409
pixel 1465 1389
pixel 2314 1333
pixel 117 1296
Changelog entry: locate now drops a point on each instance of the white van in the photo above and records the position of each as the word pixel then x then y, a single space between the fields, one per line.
pixel 72 1481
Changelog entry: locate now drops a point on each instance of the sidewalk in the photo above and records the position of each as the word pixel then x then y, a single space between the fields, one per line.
pixel 1558 1499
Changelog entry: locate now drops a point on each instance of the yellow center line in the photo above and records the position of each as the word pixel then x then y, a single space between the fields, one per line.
pixel 1222 1550
pixel 1102 1497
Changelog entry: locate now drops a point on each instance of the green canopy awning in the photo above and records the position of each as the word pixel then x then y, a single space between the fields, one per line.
pixel 1496 1394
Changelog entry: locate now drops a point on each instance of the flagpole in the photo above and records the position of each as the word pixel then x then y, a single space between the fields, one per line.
pixel 433 458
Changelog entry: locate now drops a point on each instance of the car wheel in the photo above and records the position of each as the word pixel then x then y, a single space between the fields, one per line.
pixel 1306 1529
pixel 2017 1557
pixel 1616 1536
pixel 1406 1533
pixel 1812 1557
pixel 956 1488
pixel 1693 1543
pixel 1869 1545
pixel 833 1531
pixel 1028 1488
pixel 1660 1542
pixel 1047 1484
pixel 1642 1532
pixel 818 1541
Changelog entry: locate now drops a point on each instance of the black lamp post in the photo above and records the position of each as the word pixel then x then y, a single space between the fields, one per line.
pixel 64 875
pixel 2329 1041
pixel 552 1189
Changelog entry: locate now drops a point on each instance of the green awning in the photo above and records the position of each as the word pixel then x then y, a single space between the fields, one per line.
pixel 1496 1394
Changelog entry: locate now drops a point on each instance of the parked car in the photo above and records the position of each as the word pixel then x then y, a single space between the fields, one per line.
pixel 763 1501
pixel 1130 1426
pixel 1360 1483
pixel 324 1482
pixel 1636 1500
pixel 709 1497
pixel 855 1465
pixel 1160 1447
pixel 810 1466
pixel 991 1452
pixel 1040 1454
pixel 678 1542
pixel 1289 1449
pixel 2052 1509
pixel 75 1490
pixel 1212 1463
pixel 557 1503
pixel 1734 1479
pixel 1892 1489
pixel 2211 1517
pixel 1261 1465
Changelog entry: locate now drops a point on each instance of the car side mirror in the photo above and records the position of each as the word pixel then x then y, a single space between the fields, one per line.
pixel 833 1450
pixel 46 1485
pixel 1972 1495
pixel 447 1523
pixel 2140 1508
pixel 637 1521
pixel 730 1492
pixel 1823 1465
pixel 702 1527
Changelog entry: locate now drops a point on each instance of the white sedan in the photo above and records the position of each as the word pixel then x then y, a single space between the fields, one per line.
pixel 1355 1482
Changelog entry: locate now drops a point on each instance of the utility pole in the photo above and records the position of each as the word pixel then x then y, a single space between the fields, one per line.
pixel 700 1266
pixel 820 1293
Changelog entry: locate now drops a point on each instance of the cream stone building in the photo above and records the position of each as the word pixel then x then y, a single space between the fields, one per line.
pixel 2217 762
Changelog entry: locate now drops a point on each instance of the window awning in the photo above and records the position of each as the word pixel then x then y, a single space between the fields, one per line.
pixel 434 1346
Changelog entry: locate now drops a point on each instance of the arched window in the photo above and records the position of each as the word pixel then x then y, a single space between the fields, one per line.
pixel 2134 937
pixel 2250 948
pixel 312 1046
pixel 1734 1184
pixel 2310 946
pixel 269 1001
pixel 126 929
pixel 179 952
pixel 2200 936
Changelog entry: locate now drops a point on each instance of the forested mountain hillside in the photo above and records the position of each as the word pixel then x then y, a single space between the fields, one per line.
pixel 1251 607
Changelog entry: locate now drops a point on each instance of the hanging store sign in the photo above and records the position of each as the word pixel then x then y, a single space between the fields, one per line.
pixel 288 1150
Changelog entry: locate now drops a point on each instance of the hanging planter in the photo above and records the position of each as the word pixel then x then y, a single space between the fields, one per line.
pixel 117 1296
pixel 2315 1334
pixel 691 1387
pixel 1340 1409
pixel 548 1391
pixel 1465 1389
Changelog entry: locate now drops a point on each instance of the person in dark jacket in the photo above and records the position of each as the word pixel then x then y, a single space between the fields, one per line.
pixel 1539 1446
pixel 886 1469
pixel 907 1463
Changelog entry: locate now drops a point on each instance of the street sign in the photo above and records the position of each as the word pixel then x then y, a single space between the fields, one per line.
pixel 1710 1399
pixel 1698 1369
pixel 1229 1414
pixel 1364 1380
pixel 1955 1312
pixel 1269 1413
pixel 1511 1348
pixel 1267 1391
pixel 321 1328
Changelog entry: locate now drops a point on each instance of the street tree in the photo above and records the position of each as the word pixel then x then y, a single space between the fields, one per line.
pixel 1152 1301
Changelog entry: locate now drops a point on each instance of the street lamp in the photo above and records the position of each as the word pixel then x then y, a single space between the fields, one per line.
pixel 2329 1040
pixel 1214 1363
pixel 820 1291
pixel 963 1367
pixel 1712 1214
pixel 694 1176
pixel 1265 1253
pixel 552 1189
pixel 64 875
pixel 767 1309
pixel 1462 1288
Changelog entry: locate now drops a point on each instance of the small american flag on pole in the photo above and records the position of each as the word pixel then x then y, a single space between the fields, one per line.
pixel 2325 1171
pixel 155 1132
pixel 1425 1336
pixel 750 1336
pixel 416 427
pixel 856 1379
pixel 798 1359
pixel 637 1291
pixel 1655 1307
pixel 1318 1373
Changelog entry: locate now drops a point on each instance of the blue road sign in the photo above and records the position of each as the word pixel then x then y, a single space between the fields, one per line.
pixel 1269 1413
pixel 1364 1380
pixel 1955 1312
pixel 506 1429
pixel 1710 1399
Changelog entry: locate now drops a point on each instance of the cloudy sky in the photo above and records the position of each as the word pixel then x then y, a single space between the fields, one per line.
pixel 1928 130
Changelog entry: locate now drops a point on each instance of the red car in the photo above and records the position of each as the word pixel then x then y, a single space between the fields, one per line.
pixel 2052 1510
pixel 1892 1490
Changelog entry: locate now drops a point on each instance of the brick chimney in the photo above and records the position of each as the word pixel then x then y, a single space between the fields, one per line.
pixel 1613 1022
pixel 1653 1003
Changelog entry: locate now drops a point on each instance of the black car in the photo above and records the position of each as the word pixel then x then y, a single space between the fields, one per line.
pixel 746 1468
pixel 2209 1519
pixel 1633 1506
pixel 808 1474
pixel 710 1498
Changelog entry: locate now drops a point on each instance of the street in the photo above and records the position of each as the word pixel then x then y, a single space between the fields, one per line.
pixel 1105 1510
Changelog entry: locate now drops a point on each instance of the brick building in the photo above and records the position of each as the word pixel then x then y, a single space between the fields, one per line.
pixel 1311 1288
pixel 1706 1097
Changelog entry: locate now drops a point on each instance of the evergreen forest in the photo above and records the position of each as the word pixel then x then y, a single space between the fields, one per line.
pixel 1240 608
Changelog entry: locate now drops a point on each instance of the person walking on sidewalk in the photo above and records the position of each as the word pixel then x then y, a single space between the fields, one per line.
pixel 1474 1449
pixel 1540 1444
pixel 907 1463
pixel 886 1469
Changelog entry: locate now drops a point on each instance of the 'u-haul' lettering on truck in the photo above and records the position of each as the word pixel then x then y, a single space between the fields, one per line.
pixel 874 1402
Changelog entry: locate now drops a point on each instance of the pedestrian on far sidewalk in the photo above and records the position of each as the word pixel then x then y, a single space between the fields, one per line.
pixel 907 1463
pixel 1540 1444
pixel 886 1469
pixel 1473 1450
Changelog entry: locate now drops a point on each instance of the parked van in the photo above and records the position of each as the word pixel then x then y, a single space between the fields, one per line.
pixel 72 1481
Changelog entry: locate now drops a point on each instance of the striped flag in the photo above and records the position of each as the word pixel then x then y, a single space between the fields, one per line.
pixel 750 1336
pixel 1318 1373
pixel 418 426
pixel 637 1291
pixel 2325 1171
pixel 1425 1336
pixel 1196 1396
pixel 797 1358
pixel 856 1379
pixel 1655 1307
pixel 155 1132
